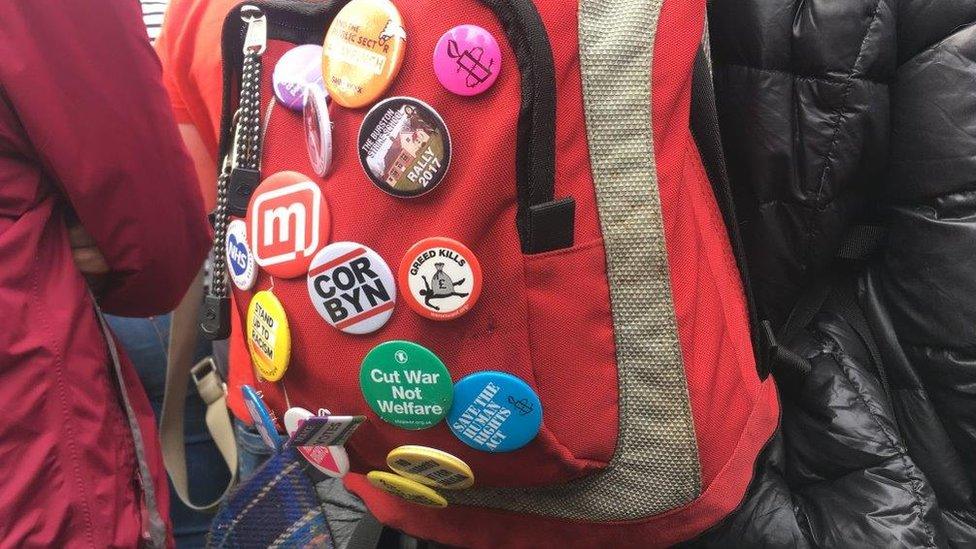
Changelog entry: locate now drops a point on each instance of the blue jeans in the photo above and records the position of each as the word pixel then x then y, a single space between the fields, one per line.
pixel 145 341
pixel 252 452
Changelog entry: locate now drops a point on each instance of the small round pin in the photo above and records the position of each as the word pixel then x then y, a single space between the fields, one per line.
pixel 318 130
pixel 404 147
pixel 363 51
pixel 240 261
pixel 440 278
pixel 268 336
pixel 351 287
pixel 467 60
pixel 299 68
pixel 406 385
pixel 495 412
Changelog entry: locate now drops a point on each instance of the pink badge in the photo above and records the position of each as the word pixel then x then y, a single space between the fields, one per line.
pixel 467 60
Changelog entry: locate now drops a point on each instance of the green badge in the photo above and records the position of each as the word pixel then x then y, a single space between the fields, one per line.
pixel 406 385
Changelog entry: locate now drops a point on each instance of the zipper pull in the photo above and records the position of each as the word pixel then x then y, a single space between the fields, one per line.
pixel 256 38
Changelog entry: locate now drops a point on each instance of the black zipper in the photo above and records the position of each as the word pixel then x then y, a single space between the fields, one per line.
pixel 543 223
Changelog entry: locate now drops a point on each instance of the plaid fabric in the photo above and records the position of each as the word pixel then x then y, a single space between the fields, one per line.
pixel 276 507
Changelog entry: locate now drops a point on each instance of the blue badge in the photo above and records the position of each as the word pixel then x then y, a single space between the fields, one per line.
pixel 494 412
pixel 238 253
pixel 240 260
pixel 261 415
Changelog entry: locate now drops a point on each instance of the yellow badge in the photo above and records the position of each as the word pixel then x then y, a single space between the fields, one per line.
pixel 268 336
pixel 363 51
pixel 431 467
pixel 405 488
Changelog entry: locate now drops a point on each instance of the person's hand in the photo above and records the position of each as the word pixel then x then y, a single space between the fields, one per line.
pixel 88 258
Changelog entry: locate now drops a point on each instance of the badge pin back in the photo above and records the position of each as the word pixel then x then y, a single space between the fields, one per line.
pixel 363 51
pixel 431 466
pixel 404 147
pixel 263 421
pixel 351 287
pixel 406 384
pixel 440 278
pixel 240 261
pixel 299 68
pixel 467 60
pixel 268 336
pixel 318 130
pixel 288 223
pixel 405 488
pixel 326 431
pixel 495 412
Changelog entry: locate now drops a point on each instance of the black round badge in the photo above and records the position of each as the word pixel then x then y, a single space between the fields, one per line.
pixel 404 146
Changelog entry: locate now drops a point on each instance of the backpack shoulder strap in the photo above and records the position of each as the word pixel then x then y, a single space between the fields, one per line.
pixel 182 346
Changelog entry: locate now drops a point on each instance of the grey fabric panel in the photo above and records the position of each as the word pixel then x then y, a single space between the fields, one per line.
pixel 655 467
pixel 156 526
pixel 343 511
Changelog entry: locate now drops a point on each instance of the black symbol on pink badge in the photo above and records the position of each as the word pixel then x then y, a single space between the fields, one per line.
pixel 470 61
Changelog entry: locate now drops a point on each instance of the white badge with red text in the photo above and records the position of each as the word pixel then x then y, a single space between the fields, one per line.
pixel 331 460
pixel 440 278
pixel 352 287
pixel 288 221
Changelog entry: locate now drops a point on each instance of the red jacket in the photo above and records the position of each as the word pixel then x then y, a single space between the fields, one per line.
pixel 84 125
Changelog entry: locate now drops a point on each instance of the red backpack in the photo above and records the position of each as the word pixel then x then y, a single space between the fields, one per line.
pixel 585 182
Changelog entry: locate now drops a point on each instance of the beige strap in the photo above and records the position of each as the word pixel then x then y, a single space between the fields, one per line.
pixel 182 347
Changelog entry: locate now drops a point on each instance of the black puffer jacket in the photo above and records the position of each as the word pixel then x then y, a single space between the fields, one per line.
pixel 836 115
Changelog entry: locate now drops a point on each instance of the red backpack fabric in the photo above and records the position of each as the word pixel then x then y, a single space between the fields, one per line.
pixel 610 285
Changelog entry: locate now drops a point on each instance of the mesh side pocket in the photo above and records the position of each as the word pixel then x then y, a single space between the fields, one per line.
pixel 276 507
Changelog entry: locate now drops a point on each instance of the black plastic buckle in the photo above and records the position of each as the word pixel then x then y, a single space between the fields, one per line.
pixel 243 181
pixel 215 317
pixel 768 345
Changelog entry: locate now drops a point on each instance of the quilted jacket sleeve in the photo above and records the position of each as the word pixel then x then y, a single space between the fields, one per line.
pixel 922 290
pixel 803 106
pixel 835 114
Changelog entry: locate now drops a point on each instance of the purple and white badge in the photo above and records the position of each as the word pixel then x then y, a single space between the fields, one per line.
pixel 298 68
pixel 467 60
